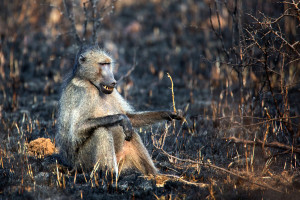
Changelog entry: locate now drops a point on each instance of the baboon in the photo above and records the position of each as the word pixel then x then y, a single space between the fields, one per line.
pixel 96 124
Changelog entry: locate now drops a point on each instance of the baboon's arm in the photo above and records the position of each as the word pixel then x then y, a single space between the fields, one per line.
pixel 85 128
pixel 139 119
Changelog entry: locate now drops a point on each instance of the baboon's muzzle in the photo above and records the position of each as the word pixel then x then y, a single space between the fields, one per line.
pixel 108 82
pixel 107 89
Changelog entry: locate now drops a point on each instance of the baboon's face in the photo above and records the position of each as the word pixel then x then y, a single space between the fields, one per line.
pixel 98 68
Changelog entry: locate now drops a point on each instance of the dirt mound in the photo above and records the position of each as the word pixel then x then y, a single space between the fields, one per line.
pixel 41 147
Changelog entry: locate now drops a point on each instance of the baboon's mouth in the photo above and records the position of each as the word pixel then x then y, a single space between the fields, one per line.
pixel 106 89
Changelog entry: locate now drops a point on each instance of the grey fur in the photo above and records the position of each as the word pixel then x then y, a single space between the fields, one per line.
pixel 92 125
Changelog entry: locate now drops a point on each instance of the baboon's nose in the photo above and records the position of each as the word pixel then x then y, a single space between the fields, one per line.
pixel 113 84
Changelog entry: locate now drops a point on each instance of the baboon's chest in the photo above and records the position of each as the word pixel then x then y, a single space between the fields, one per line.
pixel 104 107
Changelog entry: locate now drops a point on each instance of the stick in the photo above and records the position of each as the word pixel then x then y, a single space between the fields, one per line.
pixel 130 70
pixel 70 15
pixel 180 179
pixel 172 87
pixel 257 141
pixel 219 168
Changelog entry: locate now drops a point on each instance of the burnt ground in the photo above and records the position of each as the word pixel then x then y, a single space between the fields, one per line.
pixel 157 37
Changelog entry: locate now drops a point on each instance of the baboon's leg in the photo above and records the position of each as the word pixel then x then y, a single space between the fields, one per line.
pixel 105 153
pixel 99 148
pixel 135 155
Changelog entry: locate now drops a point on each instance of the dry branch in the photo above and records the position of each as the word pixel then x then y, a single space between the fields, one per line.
pixel 70 15
pixel 94 11
pixel 217 168
pixel 130 70
pixel 259 142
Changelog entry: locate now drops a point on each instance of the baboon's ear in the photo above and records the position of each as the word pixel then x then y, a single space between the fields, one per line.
pixel 81 59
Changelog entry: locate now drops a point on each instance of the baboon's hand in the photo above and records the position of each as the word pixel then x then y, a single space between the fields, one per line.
pixel 127 127
pixel 170 116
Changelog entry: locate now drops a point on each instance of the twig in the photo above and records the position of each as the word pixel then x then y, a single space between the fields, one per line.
pixel 57 174
pixel 96 167
pixel 70 16
pixel 180 179
pixel 257 141
pixel 130 70
pixel 172 88
pixel 127 74
pixel 287 124
pixel 94 11
pixel 218 168
pixel 85 20
pixel 218 34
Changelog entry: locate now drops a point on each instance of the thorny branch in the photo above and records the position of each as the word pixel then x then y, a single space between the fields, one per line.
pixel 266 38
pixel 91 15
pixel 268 23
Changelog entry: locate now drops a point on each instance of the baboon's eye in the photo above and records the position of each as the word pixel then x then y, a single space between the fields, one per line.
pixel 102 64
pixel 82 58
